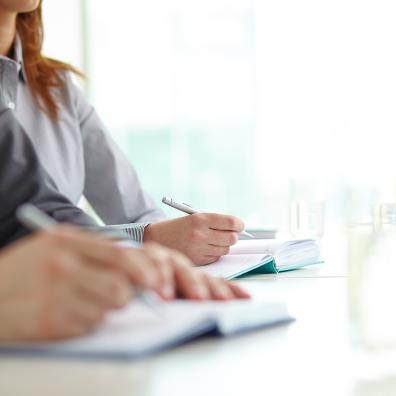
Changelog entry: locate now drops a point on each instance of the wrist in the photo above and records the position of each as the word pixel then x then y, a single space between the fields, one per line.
pixel 148 233
pixel 157 232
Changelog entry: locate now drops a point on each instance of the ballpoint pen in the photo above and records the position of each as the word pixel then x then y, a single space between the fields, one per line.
pixel 35 219
pixel 189 210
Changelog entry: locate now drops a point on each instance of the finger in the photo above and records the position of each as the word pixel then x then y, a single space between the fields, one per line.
pixel 90 246
pixel 209 259
pixel 140 268
pixel 224 222
pixel 191 284
pixel 219 289
pixel 161 260
pixel 85 312
pixel 135 263
pixel 108 288
pixel 69 329
pixel 216 251
pixel 238 291
pixel 68 315
pixel 222 238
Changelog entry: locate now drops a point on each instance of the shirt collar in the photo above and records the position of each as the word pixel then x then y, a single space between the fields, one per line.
pixel 18 54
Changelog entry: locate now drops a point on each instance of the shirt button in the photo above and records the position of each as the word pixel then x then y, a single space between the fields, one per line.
pixel 11 105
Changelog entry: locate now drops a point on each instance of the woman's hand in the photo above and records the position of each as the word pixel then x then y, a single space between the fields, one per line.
pixel 202 237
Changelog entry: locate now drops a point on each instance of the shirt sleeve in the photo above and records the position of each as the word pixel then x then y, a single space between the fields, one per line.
pixel 111 185
pixel 23 179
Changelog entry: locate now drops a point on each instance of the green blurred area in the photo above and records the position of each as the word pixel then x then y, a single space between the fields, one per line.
pixel 207 168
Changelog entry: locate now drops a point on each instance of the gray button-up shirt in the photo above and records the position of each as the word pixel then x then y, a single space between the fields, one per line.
pixel 78 152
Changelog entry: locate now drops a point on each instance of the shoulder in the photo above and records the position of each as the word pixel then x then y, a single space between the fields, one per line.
pixel 71 88
pixel 73 95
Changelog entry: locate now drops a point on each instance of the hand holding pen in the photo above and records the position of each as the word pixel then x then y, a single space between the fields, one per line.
pixel 202 237
pixel 35 219
pixel 183 207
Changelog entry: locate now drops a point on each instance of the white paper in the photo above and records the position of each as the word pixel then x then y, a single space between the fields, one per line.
pixel 257 246
pixel 229 266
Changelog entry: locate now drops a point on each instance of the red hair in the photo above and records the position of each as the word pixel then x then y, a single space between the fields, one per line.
pixel 42 73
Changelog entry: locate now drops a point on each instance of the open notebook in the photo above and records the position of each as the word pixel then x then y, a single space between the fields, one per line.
pixel 265 256
pixel 136 330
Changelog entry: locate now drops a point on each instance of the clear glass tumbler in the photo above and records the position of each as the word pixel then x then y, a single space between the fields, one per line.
pixel 306 219
pixel 384 217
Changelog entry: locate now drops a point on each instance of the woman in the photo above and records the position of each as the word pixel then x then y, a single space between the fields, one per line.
pixel 78 153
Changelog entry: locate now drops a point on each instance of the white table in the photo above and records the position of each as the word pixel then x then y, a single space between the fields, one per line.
pixel 312 356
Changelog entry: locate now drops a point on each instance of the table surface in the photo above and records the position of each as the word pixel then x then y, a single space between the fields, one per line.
pixel 311 356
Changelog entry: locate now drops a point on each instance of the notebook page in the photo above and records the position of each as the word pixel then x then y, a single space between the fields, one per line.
pixel 298 254
pixel 257 246
pixel 269 246
pixel 233 265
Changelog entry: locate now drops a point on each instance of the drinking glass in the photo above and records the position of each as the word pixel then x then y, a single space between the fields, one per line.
pixel 306 219
pixel 384 217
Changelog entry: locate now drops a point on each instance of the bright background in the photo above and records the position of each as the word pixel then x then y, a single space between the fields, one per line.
pixel 242 105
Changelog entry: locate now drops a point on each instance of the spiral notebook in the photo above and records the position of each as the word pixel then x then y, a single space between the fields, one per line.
pixel 264 256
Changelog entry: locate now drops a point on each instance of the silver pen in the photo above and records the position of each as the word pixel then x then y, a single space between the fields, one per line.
pixel 35 219
pixel 189 210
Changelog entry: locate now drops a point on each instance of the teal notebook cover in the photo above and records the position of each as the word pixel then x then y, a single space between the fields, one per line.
pixel 268 266
pixel 254 257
